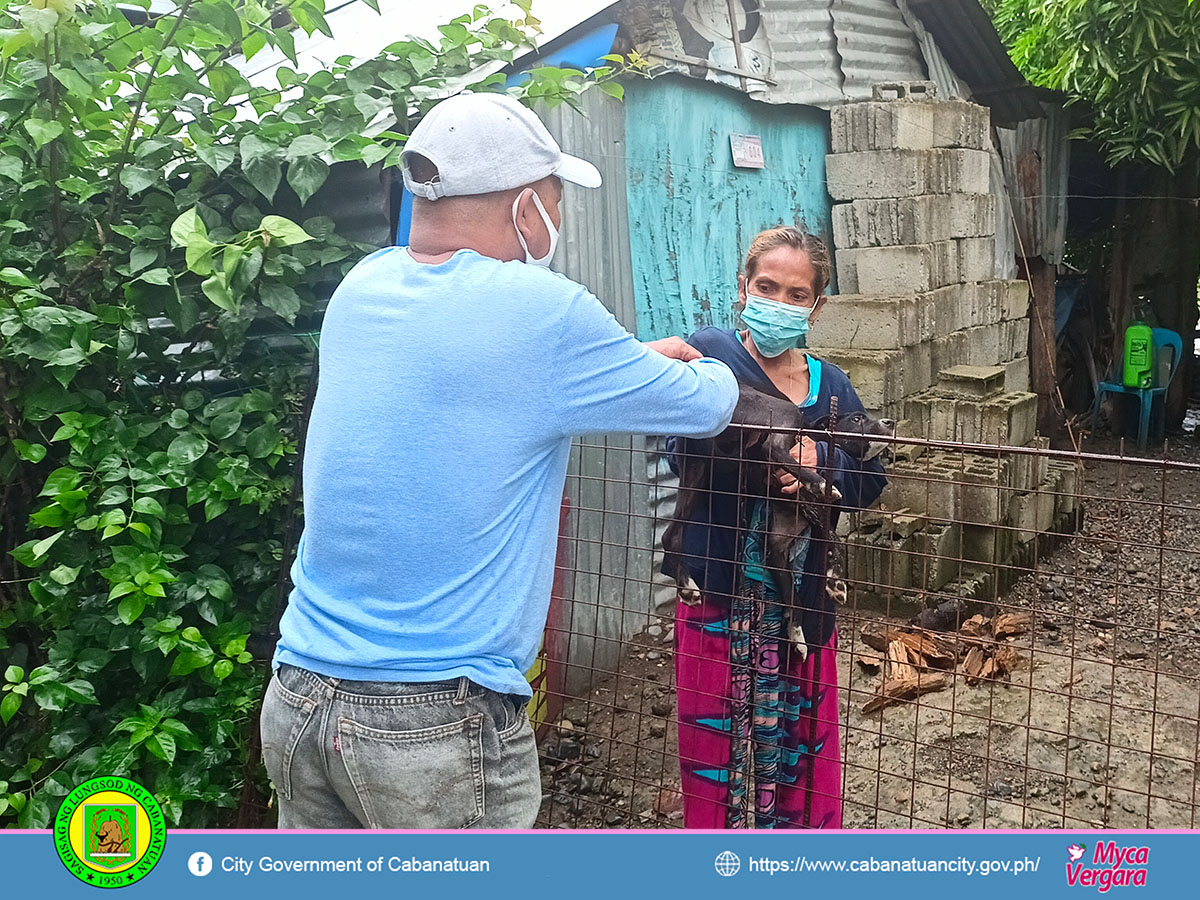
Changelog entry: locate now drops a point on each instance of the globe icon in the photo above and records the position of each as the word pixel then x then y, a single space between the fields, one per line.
pixel 727 863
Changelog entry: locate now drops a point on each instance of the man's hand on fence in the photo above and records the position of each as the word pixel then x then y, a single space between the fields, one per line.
pixel 805 453
pixel 675 348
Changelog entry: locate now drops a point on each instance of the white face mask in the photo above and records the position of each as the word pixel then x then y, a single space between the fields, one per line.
pixel 529 257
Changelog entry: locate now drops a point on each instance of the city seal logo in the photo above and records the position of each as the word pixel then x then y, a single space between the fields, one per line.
pixel 110 832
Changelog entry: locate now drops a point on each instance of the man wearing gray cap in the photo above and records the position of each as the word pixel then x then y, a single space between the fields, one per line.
pixel 454 373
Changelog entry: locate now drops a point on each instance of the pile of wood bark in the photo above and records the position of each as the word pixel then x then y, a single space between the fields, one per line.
pixel 918 660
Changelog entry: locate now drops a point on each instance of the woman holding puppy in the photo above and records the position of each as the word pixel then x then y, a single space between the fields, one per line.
pixel 748 701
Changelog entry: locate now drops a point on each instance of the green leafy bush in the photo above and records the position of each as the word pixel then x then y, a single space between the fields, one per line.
pixel 155 317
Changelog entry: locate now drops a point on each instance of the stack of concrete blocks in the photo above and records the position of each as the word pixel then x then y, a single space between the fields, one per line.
pixel 932 339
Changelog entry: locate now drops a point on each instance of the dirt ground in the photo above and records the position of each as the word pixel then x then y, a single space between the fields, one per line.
pixel 1099 725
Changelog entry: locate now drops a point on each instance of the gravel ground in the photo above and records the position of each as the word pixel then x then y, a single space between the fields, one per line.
pixel 1130 580
pixel 1097 726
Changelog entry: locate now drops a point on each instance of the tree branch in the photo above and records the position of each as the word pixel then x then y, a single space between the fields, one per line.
pixel 229 51
pixel 56 216
pixel 118 193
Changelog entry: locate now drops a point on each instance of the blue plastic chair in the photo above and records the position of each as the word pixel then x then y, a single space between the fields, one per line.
pixel 1163 337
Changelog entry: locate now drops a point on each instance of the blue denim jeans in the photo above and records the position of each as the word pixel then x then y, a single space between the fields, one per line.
pixel 373 754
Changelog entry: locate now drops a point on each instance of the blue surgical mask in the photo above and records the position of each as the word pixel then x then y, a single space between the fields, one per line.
pixel 775 326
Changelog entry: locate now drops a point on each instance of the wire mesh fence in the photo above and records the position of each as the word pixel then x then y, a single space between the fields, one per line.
pixel 1016 647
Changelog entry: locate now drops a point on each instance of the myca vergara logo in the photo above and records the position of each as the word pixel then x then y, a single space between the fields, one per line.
pixel 110 832
pixel 1110 866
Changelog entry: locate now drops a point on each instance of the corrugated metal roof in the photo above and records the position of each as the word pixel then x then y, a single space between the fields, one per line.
pixel 822 52
pixel 875 45
pixel 825 52
pixel 949 85
pixel 967 38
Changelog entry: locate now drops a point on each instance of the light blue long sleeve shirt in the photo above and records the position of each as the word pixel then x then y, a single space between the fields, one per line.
pixel 436 457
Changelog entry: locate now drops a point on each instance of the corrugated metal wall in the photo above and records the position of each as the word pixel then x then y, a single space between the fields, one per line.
pixel 1037 163
pixel 875 45
pixel 804 52
pixel 356 198
pixel 1006 233
pixel 692 215
pixel 594 248
pixel 608 597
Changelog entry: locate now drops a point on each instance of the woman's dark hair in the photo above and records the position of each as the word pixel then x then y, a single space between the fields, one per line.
pixel 797 239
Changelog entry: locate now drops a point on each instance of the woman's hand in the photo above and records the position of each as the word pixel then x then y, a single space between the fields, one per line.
pixel 675 348
pixel 805 453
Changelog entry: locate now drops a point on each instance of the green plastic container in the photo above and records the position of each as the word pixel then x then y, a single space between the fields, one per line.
pixel 1139 356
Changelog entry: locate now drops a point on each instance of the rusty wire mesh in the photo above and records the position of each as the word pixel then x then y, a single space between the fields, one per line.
pixel 1041 605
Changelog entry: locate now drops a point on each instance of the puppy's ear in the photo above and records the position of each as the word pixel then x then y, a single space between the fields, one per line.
pixel 819 424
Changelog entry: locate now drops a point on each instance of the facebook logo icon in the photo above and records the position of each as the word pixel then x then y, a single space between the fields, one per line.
pixel 200 864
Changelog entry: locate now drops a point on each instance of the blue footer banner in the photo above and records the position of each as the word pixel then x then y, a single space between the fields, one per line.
pixel 117 847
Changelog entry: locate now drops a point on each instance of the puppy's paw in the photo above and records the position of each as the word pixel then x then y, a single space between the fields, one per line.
pixel 796 636
pixel 835 587
pixel 689 593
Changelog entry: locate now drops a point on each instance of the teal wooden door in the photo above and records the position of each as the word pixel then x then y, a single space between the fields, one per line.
pixel 692 214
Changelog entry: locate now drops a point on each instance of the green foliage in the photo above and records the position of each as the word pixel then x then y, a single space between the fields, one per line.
pixel 153 305
pixel 1135 62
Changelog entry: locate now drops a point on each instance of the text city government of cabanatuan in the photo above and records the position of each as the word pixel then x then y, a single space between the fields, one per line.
pixel 270 864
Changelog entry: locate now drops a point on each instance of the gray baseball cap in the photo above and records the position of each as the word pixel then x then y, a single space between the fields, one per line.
pixel 482 143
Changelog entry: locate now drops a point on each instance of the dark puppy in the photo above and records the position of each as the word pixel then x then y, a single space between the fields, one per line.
pixel 762 434
pixel 856 432
pixel 767 451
